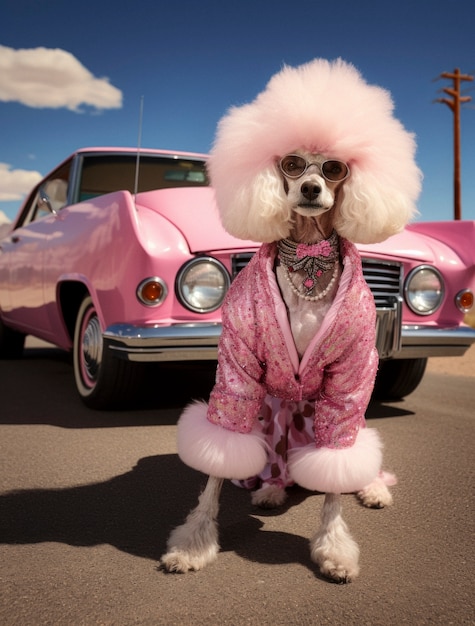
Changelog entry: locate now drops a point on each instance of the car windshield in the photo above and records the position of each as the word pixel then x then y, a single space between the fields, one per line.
pixel 103 174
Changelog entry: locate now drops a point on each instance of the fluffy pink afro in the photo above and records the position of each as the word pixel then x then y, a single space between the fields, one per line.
pixel 324 107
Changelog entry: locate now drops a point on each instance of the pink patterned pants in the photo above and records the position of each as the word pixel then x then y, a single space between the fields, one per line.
pixel 286 425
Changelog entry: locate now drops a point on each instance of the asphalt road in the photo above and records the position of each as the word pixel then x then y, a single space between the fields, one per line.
pixel 88 499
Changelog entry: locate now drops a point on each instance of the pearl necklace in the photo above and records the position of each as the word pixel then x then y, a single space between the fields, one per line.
pixel 313 260
pixel 319 296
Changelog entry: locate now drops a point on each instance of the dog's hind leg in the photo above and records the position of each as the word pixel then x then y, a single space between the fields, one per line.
pixel 269 496
pixel 194 544
pixel 376 495
pixel 332 548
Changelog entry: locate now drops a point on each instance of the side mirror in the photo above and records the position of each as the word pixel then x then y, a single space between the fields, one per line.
pixel 46 200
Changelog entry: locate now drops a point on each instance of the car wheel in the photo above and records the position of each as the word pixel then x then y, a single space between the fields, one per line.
pixel 11 342
pixel 398 378
pixel 103 382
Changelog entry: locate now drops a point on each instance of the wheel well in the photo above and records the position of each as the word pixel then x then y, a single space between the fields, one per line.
pixel 71 294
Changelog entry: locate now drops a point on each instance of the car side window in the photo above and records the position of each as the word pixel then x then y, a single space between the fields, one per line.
pixel 52 191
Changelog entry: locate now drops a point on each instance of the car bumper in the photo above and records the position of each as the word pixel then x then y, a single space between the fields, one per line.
pixel 178 342
pixel 199 342
pixel 421 342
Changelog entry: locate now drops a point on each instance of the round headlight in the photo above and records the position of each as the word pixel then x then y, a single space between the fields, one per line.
pixel 202 284
pixel 424 290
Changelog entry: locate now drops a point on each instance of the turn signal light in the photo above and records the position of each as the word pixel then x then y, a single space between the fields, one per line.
pixel 464 300
pixel 152 291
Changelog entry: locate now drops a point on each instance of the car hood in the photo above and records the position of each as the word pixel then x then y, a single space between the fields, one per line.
pixel 424 242
pixel 193 211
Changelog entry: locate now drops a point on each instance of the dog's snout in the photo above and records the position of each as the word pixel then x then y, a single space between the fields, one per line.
pixel 310 190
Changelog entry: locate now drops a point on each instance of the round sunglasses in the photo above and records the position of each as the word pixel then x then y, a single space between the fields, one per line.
pixel 295 166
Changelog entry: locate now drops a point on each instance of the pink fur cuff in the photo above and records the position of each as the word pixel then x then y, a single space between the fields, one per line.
pixel 338 470
pixel 216 451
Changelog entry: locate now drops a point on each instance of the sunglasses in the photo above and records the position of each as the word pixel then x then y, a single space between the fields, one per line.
pixel 295 166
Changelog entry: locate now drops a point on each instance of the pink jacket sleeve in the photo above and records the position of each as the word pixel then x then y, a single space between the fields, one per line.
pixel 237 396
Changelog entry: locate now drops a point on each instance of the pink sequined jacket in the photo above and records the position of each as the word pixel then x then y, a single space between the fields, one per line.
pixel 257 356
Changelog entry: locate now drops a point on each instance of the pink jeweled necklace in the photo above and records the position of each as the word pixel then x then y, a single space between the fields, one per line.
pixel 314 259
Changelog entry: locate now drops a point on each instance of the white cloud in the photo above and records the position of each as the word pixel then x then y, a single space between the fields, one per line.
pixel 14 184
pixel 52 78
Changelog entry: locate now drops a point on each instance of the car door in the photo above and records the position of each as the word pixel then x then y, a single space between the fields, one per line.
pixel 22 275
pixel 23 253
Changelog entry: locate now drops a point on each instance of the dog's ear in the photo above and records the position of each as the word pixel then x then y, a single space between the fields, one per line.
pixel 258 210
pixel 371 210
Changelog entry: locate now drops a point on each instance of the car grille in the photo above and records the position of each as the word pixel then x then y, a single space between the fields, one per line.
pixel 239 262
pixel 384 278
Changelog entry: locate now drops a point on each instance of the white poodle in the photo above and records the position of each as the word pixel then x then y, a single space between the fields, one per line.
pixel 314 165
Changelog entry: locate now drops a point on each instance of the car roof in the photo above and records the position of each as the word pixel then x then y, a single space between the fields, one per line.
pixel 134 150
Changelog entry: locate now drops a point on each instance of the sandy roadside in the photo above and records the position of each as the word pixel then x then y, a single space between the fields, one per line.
pixel 456 366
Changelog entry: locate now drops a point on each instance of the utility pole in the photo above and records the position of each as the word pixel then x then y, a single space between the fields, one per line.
pixel 454 104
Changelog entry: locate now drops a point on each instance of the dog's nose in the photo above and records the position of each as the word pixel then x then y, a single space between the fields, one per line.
pixel 310 190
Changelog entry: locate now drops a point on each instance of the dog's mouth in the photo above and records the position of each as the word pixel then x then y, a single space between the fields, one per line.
pixel 305 208
pixel 311 205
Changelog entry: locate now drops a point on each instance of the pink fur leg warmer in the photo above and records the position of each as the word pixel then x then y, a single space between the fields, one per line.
pixel 338 470
pixel 215 450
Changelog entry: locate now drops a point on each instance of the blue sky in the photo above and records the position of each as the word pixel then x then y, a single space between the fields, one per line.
pixel 73 75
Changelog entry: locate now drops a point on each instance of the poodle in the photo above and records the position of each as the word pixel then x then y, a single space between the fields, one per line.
pixel 316 163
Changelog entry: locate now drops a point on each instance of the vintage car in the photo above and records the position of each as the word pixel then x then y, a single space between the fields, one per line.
pixel 118 255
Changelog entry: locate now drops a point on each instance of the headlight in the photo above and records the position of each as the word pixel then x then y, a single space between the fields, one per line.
pixel 424 290
pixel 202 284
pixel 152 291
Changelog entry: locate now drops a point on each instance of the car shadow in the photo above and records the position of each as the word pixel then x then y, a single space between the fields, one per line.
pixel 40 389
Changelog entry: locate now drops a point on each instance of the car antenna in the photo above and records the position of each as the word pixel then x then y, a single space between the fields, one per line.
pixel 137 164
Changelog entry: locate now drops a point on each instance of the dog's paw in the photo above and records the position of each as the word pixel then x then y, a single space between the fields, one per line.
pixel 179 561
pixel 336 553
pixel 191 546
pixel 338 570
pixel 269 497
pixel 376 495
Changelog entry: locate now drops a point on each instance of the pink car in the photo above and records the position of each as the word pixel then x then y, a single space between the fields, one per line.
pixel 120 257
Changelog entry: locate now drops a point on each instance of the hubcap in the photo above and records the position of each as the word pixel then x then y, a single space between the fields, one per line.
pixel 92 348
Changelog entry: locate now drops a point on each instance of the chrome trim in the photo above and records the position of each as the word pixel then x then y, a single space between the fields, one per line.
pixel 179 342
pixel 388 328
pixel 199 342
pixel 422 341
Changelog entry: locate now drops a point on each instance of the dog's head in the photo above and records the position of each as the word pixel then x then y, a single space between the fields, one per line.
pixel 322 112
pixel 310 181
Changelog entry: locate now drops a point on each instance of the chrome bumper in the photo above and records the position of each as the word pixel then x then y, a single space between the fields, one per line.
pixel 388 329
pixel 421 341
pixel 179 342
pixel 199 342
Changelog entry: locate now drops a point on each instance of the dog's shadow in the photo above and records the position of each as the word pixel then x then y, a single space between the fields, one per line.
pixel 242 529
pixel 136 511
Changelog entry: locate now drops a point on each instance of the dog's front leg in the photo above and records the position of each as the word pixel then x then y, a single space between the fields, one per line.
pixel 194 544
pixel 333 548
